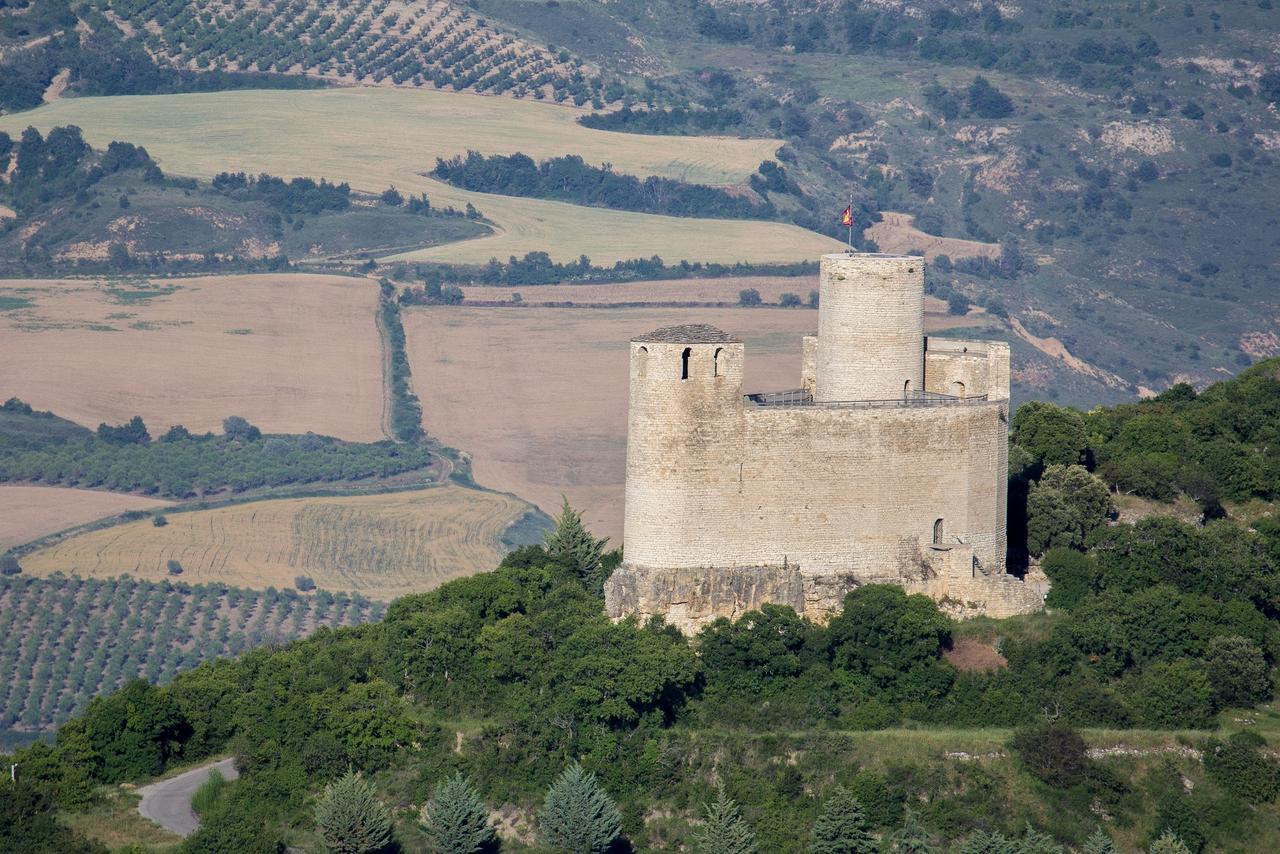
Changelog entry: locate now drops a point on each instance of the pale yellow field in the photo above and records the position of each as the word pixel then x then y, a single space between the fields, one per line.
pixel 28 512
pixel 374 137
pixel 381 546
pixel 291 353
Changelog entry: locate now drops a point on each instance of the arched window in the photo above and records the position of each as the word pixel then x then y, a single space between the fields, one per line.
pixel 957 389
pixel 715 362
pixel 684 363
pixel 906 389
pixel 642 362
pixel 937 533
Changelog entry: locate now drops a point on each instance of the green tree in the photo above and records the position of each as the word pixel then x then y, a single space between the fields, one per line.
pixel 1168 843
pixel 1240 767
pixel 1237 671
pixel 1064 507
pixel 723 830
pixel 1054 752
pixel 1098 843
pixel 578 816
pixel 749 297
pixel 1175 694
pixel 572 545
pixel 455 819
pixel 1052 434
pixel 1073 576
pixel 911 838
pixel 350 818
pixel 841 826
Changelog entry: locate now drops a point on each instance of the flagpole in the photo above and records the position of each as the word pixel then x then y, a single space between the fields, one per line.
pixel 850 220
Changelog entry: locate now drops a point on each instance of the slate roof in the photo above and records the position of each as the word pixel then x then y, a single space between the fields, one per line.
pixel 690 333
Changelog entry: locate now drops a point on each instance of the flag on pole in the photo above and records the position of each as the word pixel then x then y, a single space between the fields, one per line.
pixel 846 218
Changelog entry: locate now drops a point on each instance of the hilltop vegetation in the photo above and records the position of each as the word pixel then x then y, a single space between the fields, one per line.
pixel 115 211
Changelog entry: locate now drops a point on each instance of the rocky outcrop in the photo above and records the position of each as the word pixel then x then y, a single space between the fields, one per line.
pixel 689 599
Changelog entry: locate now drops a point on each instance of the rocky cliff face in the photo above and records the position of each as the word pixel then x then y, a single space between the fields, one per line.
pixel 691 598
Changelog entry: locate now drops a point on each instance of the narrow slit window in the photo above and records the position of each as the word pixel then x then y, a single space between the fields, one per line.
pixel 937 533
pixel 684 363
pixel 642 362
pixel 715 362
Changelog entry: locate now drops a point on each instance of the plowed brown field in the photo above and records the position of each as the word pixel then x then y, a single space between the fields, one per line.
pixel 291 353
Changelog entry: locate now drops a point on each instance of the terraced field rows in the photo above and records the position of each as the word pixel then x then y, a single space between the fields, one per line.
pixel 405 42
pixel 65 640
pixel 382 546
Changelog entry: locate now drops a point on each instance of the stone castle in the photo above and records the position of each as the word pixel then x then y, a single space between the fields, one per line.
pixel 888 464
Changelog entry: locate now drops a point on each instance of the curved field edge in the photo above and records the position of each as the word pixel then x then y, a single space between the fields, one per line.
pixel 380 546
pixel 373 138
pixel 28 512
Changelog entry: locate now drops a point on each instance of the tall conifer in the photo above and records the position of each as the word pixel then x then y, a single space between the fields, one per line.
pixel 455 819
pixel 578 816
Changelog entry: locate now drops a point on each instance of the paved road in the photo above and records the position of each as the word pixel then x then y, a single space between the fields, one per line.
pixel 168 802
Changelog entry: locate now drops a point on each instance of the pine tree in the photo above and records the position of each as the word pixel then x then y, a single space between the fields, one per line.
pixel 841 827
pixel 578 816
pixel 350 818
pixel 1037 843
pixel 571 544
pixel 1168 843
pixel 911 838
pixel 455 819
pixel 1098 843
pixel 723 831
pixel 989 843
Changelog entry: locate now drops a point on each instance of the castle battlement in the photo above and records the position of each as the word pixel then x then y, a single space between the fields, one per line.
pixel 887 464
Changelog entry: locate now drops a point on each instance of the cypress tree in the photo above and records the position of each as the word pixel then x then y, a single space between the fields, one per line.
pixel 841 827
pixel 578 816
pixel 572 545
pixel 723 831
pixel 1098 843
pixel 455 819
pixel 350 818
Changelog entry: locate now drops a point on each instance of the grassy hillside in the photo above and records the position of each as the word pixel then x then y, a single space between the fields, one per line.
pixel 1131 161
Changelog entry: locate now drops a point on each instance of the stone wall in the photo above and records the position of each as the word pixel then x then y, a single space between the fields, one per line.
pixel 966 368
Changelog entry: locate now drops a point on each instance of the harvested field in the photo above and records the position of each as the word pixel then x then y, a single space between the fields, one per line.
pixel 538 396
pixel 710 291
pixel 373 137
pixel 897 232
pixel 28 512
pixel 292 353
pixel 381 546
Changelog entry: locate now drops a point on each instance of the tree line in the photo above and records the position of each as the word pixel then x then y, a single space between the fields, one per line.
pixel 39 448
pixel 571 179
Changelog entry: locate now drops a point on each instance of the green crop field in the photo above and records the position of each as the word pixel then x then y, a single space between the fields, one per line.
pixel 65 640
pixel 374 138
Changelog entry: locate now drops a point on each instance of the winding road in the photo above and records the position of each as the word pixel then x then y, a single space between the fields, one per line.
pixel 168 802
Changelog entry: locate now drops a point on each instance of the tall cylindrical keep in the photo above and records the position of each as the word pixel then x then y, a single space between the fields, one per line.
pixel 870 327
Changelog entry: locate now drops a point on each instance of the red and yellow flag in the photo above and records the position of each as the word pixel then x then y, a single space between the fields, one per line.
pixel 846 218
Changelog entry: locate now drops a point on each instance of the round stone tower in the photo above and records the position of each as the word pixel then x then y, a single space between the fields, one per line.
pixel 686 407
pixel 870 327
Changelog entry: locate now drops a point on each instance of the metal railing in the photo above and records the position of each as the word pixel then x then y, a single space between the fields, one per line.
pixel 799 397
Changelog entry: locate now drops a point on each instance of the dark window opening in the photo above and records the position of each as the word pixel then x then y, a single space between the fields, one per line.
pixel 715 362
pixel 684 363
pixel 937 533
